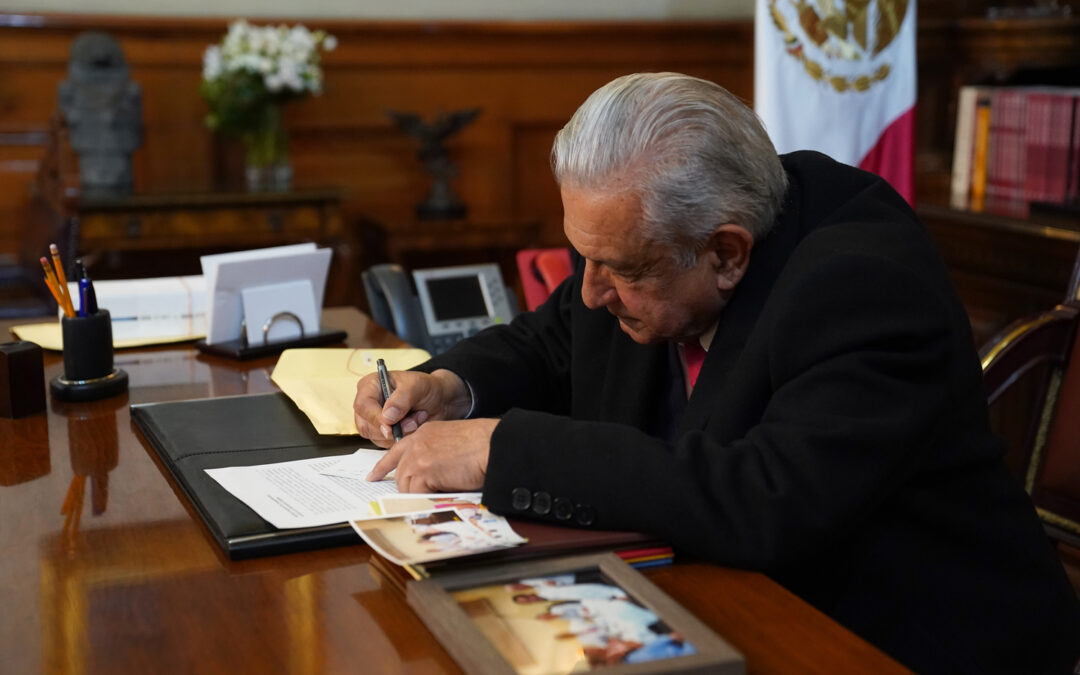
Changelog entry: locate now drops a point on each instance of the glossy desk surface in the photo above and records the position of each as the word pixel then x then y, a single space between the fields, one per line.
pixel 119 575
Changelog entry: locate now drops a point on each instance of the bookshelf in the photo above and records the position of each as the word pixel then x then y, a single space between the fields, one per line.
pixel 1005 265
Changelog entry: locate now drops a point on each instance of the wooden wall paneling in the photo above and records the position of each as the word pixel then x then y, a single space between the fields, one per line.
pixel 534 188
pixel 528 77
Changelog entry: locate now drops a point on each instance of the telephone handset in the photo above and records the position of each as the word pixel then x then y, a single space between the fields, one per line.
pixel 393 303
pixel 450 303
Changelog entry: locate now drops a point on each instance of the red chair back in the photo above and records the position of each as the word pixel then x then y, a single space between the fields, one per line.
pixel 541 270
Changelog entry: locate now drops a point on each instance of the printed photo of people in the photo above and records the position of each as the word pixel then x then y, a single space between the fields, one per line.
pixel 404 504
pixel 569 622
pixel 433 535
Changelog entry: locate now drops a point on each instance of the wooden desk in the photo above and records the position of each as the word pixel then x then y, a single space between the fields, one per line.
pixel 140 586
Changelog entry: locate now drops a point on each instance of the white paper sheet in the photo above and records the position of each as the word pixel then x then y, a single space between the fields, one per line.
pixel 227 274
pixel 296 494
pixel 145 309
pixel 355 466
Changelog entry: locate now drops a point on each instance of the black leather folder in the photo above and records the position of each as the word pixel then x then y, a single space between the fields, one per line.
pixel 191 436
pixel 195 435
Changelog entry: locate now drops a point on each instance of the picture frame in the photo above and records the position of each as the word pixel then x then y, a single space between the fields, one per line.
pixel 586 612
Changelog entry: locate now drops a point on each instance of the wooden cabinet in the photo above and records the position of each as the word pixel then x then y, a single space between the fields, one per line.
pixel 147 235
pixel 1004 268
pixel 206 220
pixel 153 234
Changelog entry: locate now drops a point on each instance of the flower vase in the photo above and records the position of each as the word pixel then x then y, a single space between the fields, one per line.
pixel 267 145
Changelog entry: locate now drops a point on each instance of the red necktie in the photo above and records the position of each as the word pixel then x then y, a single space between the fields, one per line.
pixel 694 354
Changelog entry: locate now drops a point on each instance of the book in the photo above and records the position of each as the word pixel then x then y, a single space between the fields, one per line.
pixel 1073 191
pixel 980 151
pixel 1057 155
pixel 1036 143
pixel 963 147
pixel 549 541
pixel 1005 168
pixel 398 576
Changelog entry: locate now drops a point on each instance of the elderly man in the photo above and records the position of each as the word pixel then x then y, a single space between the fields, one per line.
pixel 835 436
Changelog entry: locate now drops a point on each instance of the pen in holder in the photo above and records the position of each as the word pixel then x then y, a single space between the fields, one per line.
pixel 88 360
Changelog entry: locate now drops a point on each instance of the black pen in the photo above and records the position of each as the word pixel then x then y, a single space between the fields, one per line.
pixel 384 382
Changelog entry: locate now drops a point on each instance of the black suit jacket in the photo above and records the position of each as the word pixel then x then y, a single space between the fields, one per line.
pixel 837 438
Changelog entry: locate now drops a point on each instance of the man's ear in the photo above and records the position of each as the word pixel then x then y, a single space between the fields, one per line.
pixel 729 253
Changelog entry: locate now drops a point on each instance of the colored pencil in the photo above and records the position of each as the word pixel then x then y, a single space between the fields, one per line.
pixel 54 288
pixel 61 278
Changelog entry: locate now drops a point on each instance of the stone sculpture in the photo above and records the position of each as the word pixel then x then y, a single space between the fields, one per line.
pixel 102 108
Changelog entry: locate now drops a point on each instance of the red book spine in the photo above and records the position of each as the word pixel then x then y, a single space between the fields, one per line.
pixel 1057 170
pixel 995 167
pixel 1036 140
pixel 1005 177
pixel 1073 192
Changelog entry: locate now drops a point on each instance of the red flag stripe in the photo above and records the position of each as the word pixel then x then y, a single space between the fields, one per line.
pixel 893 156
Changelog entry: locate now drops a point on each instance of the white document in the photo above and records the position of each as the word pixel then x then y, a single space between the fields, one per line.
pixel 297 494
pixel 356 466
pixel 263 303
pixel 147 309
pixel 227 274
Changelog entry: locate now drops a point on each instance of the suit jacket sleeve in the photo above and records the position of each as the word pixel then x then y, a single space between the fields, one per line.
pixel 523 365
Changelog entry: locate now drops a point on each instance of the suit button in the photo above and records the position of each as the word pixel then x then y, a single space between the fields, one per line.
pixel 520 499
pixel 541 503
pixel 564 508
pixel 585 515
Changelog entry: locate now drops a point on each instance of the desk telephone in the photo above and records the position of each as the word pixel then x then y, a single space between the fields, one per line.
pixel 449 303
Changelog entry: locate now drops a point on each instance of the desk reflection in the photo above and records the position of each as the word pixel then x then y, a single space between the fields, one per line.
pixel 93 451
pixel 26 454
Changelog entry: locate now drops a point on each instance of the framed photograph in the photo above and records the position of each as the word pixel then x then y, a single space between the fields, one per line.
pixel 575 614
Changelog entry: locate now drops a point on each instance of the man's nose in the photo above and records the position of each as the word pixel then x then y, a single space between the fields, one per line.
pixel 596 289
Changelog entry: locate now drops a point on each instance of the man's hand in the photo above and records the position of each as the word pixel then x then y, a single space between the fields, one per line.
pixel 417 398
pixel 440 457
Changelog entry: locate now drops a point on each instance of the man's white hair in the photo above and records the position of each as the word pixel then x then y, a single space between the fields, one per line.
pixel 697 156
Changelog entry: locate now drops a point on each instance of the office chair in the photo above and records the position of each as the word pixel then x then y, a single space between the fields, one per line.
pixel 1040 358
pixel 541 270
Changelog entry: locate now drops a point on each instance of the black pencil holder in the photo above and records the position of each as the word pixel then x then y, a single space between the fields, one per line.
pixel 88 360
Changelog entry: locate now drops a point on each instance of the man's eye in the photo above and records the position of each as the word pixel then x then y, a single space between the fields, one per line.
pixel 637 273
pixel 629 275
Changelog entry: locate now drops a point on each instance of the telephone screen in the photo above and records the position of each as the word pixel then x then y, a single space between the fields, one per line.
pixel 457 297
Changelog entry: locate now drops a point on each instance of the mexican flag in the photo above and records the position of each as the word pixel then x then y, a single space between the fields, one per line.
pixel 839 77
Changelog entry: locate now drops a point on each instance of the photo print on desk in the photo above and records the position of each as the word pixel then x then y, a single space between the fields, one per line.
pixel 466 529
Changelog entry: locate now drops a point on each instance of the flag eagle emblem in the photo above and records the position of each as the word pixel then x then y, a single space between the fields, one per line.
pixel 843 44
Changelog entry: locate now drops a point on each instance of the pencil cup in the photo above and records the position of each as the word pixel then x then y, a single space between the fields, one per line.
pixel 88 360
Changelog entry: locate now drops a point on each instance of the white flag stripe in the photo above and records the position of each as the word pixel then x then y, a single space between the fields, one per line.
pixel 802 112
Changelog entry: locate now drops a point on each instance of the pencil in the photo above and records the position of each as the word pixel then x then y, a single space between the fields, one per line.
pixel 61 278
pixel 59 266
pixel 52 283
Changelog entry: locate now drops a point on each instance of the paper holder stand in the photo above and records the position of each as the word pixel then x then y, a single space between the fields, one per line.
pixel 241 349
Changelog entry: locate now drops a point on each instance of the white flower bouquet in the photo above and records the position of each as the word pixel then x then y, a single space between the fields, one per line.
pixel 248 77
